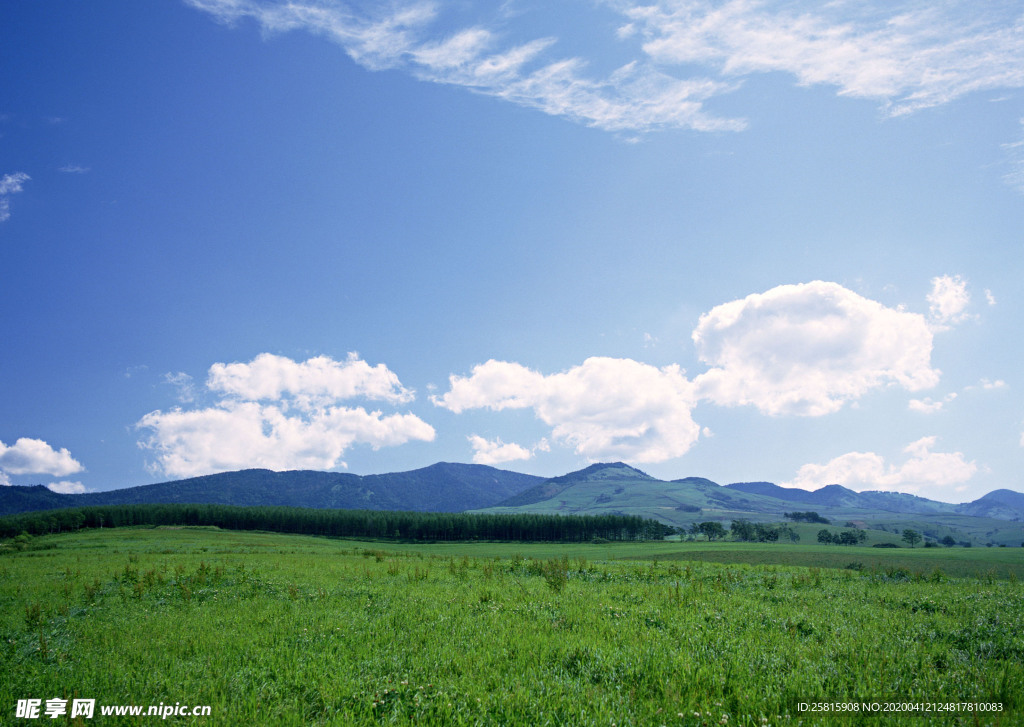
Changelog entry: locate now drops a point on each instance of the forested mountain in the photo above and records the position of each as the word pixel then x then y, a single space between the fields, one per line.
pixel 600 489
pixel 442 487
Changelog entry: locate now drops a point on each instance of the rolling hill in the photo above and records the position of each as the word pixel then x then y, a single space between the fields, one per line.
pixel 442 487
pixel 608 488
pixel 618 488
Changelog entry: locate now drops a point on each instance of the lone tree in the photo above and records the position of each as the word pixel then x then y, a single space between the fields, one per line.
pixel 912 537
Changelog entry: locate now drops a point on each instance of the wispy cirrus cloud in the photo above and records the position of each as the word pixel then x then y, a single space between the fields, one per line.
pixel 634 97
pixel 10 184
pixel 281 414
pixel 907 55
pixel 680 53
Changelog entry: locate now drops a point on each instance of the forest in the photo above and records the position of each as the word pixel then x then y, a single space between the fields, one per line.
pixel 388 524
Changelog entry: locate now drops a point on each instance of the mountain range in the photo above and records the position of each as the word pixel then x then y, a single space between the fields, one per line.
pixel 618 488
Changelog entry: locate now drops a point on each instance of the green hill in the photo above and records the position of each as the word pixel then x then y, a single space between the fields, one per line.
pixel 619 489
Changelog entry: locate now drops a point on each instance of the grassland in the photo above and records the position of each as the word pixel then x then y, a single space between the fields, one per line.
pixel 292 630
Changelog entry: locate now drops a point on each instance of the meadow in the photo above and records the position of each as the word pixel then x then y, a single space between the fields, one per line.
pixel 278 629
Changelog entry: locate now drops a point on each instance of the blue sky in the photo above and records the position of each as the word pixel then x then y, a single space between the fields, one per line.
pixel 741 240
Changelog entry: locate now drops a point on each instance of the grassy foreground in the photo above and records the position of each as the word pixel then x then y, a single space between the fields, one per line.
pixel 274 629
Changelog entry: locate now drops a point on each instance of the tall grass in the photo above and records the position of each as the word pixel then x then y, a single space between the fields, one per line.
pixel 293 630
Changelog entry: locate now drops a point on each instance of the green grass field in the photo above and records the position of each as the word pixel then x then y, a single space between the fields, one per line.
pixel 292 630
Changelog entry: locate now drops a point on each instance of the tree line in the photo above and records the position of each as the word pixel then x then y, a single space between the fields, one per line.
pixel 387 524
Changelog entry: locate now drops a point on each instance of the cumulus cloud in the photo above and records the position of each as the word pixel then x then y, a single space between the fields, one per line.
pixel 34 456
pixel 804 349
pixel 10 184
pixel 807 349
pixel 929 406
pixel 605 408
pixel 869 471
pixel 280 414
pixel 309 383
pixel 67 488
pixel 492 452
pixel 948 300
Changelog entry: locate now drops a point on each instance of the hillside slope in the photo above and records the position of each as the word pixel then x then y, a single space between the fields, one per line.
pixel 442 487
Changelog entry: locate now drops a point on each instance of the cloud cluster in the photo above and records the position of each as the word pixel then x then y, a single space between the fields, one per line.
pixel 280 414
pixel 603 408
pixel 34 456
pixel 10 184
pixel 804 350
pixel 809 348
pixel 869 471
pixel 906 55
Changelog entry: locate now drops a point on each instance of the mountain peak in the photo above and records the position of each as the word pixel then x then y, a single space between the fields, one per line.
pixel 602 470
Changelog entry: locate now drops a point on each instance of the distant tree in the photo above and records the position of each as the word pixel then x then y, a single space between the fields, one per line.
pixel 712 529
pixel 911 537
pixel 948 541
pixel 847 537
pixel 742 530
pixel 807 517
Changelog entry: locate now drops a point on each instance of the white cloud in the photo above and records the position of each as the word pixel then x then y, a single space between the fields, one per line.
pixel 989 298
pixel 280 414
pixel 34 456
pixel 869 471
pixel 807 349
pixel 604 408
pixel 67 488
pixel 10 184
pixel 636 96
pixel 989 384
pixel 948 300
pixel 928 406
pixel 73 169
pixel 495 451
pixel 1015 177
pixel 906 54
pixel 185 385
pixel 309 383
pixel 679 53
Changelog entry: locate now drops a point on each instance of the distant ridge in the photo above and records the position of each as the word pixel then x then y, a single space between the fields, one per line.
pixel 595 472
pixel 441 487
pixel 603 488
